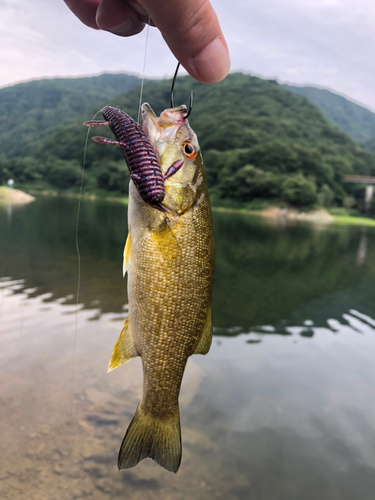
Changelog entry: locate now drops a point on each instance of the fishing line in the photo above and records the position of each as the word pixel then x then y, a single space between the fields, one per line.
pixel 144 67
pixel 78 281
pixel 77 241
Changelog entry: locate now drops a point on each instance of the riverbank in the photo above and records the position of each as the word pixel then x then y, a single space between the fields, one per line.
pixel 354 221
pixel 318 216
pixel 14 196
pixel 85 196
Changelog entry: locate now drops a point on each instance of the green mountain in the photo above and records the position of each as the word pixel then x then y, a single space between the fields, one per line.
pixel 38 108
pixel 259 141
pixel 371 144
pixel 356 121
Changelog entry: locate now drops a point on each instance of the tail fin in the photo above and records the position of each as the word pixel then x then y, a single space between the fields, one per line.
pixel 150 437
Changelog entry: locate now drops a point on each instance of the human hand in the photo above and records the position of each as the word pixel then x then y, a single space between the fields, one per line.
pixel 190 28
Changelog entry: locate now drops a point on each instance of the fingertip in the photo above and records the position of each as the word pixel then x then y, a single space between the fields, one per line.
pixel 85 10
pixel 194 36
pixel 118 18
pixel 129 27
pixel 212 64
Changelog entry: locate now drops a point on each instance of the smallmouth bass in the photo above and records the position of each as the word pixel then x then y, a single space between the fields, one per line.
pixel 169 258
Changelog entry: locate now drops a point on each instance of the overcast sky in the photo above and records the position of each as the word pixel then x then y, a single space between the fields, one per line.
pixel 326 43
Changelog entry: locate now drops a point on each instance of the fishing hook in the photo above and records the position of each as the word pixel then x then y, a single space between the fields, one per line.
pixel 191 93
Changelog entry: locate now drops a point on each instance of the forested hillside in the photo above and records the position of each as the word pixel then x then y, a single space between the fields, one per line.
pixel 259 142
pixel 32 110
pixel 371 144
pixel 356 121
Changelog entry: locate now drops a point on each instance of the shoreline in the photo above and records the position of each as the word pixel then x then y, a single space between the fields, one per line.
pixel 312 217
pixel 318 216
pixel 11 196
pixel 85 196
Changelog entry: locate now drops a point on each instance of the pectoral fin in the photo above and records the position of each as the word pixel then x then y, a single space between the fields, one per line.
pixel 166 242
pixel 204 343
pixel 125 261
pixel 124 348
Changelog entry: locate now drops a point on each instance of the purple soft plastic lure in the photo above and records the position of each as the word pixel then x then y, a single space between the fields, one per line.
pixel 139 154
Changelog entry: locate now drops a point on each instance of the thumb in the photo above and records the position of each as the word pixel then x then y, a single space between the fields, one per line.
pixel 192 32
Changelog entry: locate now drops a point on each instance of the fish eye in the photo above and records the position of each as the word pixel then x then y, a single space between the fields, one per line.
pixel 189 150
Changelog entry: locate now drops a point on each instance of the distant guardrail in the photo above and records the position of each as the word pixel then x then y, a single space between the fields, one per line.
pixel 369 191
pixel 360 179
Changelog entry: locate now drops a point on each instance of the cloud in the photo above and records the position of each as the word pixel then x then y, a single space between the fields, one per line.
pixel 328 43
pixel 40 38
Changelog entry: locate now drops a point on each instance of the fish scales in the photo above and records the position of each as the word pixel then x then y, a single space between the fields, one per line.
pixel 179 322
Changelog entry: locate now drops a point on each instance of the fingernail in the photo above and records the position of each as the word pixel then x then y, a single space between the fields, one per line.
pixel 122 29
pixel 213 63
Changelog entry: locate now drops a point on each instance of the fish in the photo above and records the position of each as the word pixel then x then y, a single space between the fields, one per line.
pixel 169 258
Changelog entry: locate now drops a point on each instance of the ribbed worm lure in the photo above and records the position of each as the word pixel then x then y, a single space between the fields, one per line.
pixel 140 156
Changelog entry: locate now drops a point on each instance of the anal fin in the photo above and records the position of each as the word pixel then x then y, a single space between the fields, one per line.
pixel 124 348
pixel 204 342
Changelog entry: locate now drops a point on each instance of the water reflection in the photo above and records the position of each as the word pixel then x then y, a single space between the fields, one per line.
pixel 283 407
pixel 362 249
pixel 263 274
pixel 352 322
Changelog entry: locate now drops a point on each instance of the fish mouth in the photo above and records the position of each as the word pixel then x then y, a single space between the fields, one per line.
pixel 163 127
pixel 149 123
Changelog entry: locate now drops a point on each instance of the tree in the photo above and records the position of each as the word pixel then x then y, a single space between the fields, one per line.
pixel 113 176
pixel 63 174
pixel 4 174
pixel 325 196
pixel 299 191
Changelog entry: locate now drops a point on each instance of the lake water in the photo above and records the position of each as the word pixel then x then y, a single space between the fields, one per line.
pixel 282 407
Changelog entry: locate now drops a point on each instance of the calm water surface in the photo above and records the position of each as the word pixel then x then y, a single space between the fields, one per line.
pixel 282 408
